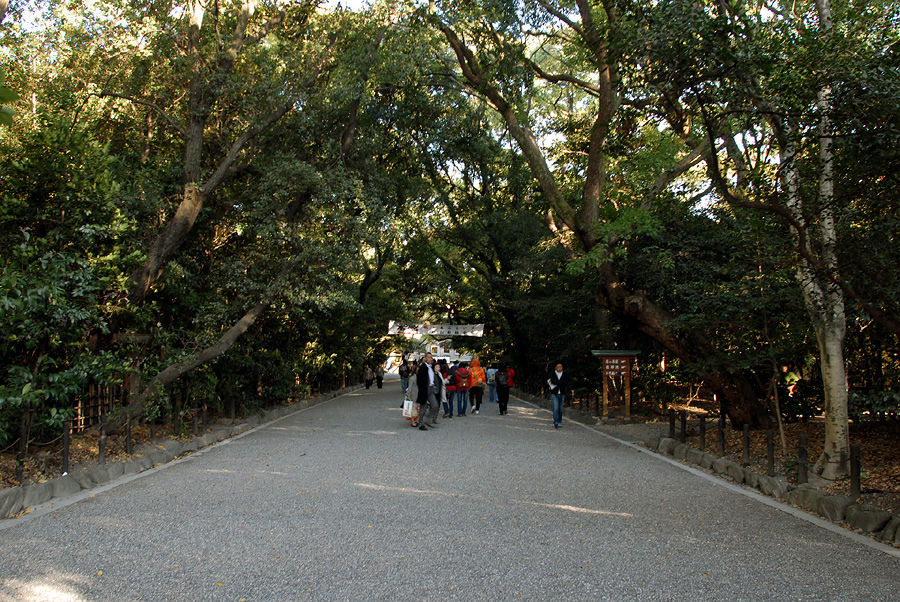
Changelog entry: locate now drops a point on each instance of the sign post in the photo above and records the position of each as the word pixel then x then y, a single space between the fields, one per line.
pixel 616 363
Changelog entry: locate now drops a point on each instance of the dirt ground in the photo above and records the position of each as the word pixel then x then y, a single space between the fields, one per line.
pixel 879 442
pixel 44 462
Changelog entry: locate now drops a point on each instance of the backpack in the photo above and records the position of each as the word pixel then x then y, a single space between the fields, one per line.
pixel 502 378
pixel 462 379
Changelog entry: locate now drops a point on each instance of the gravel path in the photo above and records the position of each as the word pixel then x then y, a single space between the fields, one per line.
pixel 344 501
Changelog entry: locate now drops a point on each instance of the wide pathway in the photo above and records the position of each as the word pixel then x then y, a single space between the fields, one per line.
pixel 344 501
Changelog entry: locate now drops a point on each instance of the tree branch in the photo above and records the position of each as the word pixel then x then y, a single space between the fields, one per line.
pixel 802 247
pixel 154 106
pixel 592 89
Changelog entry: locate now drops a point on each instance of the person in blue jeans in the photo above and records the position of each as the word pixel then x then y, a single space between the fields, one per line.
pixel 462 388
pixel 404 372
pixel 492 386
pixel 559 386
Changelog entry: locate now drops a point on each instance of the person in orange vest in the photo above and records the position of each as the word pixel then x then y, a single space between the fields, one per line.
pixel 477 385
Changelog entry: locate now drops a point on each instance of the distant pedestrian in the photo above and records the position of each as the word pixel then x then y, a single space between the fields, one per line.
pixel 368 375
pixel 446 398
pixel 492 386
pixel 559 387
pixel 404 372
pixel 451 388
pixel 379 375
pixel 501 379
pixel 440 389
pixel 462 389
pixel 478 385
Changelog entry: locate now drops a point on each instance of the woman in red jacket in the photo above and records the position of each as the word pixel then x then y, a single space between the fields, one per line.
pixel 462 388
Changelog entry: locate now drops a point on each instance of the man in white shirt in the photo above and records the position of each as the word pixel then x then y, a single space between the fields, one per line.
pixel 559 386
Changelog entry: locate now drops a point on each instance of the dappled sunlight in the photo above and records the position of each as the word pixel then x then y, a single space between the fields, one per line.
pixel 581 510
pixel 49 588
pixel 432 492
pixel 537 428
pixel 354 433
pixel 404 490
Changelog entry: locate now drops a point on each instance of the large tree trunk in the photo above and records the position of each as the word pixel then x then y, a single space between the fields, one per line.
pixel 824 301
pixel 739 400
pixel 173 372
pixel 203 94
pixel 828 300
pixel 832 463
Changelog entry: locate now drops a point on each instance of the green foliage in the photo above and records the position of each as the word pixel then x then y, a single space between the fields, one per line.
pixel 429 214
pixel 7 95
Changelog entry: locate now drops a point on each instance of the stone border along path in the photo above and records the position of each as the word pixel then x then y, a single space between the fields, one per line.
pixel 864 523
pixel 344 501
pixel 86 481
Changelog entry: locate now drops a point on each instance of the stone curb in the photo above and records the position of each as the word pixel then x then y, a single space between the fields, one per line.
pixel 875 522
pixel 14 501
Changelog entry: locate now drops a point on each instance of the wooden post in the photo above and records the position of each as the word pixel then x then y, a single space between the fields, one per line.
pixel 683 426
pixel 205 419
pixel 605 395
pixel 20 456
pixel 721 430
pixel 176 414
pixel 802 460
pixel 855 469
pixel 746 454
pixel 770 451
pixel 703 432
pixel 102 442
pixel 67 433
pixel 628 394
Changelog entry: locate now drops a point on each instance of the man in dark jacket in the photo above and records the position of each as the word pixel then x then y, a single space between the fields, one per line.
pixel 427 398
pixel 559 386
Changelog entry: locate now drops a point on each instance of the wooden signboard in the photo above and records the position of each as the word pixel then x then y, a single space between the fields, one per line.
pixel 616 363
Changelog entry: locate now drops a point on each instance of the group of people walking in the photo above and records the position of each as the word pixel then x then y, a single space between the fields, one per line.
pixel 434 385
pixel 370 375
pixel 437 386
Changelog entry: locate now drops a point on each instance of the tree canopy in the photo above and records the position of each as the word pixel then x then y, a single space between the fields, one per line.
pixel 228 203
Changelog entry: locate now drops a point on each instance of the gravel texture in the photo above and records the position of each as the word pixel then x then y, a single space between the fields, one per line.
pixel 344 501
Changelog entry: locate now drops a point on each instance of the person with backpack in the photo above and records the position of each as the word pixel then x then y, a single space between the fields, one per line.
pixel 462 388
pixel 492 386
pixel 404 371
pixel 501 381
